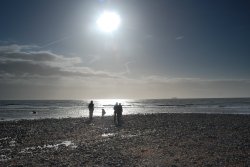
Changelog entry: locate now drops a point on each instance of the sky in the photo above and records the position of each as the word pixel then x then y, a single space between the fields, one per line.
pixel 52 49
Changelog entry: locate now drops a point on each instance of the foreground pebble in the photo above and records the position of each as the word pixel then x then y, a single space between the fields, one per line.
pixel 142 140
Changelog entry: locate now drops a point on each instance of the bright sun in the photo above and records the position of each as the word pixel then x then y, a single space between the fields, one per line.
pixel 108 21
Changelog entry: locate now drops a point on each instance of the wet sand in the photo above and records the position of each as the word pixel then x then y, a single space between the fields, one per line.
pixel 143 140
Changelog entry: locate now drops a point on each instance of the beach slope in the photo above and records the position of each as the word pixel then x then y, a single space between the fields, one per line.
pixel 142 140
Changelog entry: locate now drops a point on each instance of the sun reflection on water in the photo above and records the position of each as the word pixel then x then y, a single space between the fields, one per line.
pixel 107 105
pixel 109 102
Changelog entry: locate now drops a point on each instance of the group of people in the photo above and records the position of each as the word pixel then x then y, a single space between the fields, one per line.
pixel 117 112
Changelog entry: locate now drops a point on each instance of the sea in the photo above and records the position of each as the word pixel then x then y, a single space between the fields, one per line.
pixel 41 109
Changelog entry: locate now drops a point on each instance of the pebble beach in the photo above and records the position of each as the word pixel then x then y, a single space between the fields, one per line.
pixel 142 140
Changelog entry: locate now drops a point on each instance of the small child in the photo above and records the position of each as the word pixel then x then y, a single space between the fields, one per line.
pixel 103 112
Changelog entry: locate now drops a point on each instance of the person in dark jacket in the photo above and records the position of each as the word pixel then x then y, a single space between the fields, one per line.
pixel 103 112
pixel 115 112
pixel 91 110
pixel 119 114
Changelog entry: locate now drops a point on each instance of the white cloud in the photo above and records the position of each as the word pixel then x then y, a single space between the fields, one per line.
pixel 164 80
pixel 19 61
pixel 48 73
pixel 179 37
pixel 16 48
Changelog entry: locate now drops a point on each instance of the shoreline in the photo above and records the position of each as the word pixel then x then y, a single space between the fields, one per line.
pixel 98 117
pixel 165 139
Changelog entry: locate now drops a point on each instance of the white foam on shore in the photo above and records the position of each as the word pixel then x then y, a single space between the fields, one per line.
pixel 108 134
pixel 5 138
pixel 55 146
pixel 115 134
pixel 66 143
pixel 128 136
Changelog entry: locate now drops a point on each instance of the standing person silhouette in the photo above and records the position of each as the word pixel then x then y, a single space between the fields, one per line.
pixel 115 112
pixel 119 114
pixel 103 112
pixel 91 110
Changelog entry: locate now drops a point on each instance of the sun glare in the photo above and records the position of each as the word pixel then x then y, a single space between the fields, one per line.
pixel 112 101
pixel 108 21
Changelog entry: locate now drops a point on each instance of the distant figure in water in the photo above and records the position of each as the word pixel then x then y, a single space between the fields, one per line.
pixel 119 114
pixel 103 112
pixel 115 112
pixel 91 110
